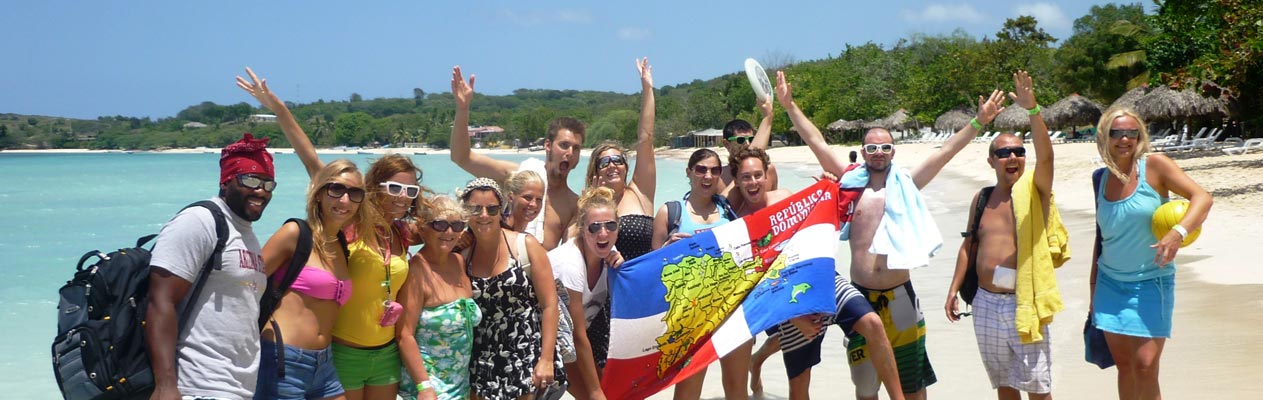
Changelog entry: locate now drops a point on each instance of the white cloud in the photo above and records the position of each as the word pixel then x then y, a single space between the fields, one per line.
pixel 1049 16
pixel 630 33
pixel 945 13
pixel 534 18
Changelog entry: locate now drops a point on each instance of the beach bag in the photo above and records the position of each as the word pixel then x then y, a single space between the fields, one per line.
pixel 1095 349
pixel 969 287
pixel 99 352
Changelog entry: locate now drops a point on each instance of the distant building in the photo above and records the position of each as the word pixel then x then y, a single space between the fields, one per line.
pixel 194 125
pixel 481 132
pixel 263 118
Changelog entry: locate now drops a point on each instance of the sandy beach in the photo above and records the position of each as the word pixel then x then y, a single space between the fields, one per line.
pixel 1220 296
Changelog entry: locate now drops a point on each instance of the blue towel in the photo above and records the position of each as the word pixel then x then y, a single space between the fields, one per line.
pixel 907 234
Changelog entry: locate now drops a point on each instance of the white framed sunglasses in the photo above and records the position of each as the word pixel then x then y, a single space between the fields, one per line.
pixel 398 189
pixel 874 148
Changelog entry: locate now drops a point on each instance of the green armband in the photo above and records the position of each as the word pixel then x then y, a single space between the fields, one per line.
pixel 1035 110
pixel 424 386
pixel 976 125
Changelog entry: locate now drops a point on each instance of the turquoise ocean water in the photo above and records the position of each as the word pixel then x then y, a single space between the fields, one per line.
pixel 56 207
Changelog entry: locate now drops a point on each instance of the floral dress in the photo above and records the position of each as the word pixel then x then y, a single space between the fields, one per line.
pixel 445 336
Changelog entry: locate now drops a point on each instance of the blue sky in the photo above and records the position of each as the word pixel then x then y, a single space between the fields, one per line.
pixel 84 59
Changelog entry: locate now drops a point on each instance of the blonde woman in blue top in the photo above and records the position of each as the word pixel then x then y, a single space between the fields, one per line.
pixel 1133 273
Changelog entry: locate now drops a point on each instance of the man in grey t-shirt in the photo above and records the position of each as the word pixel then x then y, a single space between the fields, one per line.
pixel 216 355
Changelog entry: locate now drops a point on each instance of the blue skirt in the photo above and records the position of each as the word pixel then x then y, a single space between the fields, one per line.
pixel 1141 309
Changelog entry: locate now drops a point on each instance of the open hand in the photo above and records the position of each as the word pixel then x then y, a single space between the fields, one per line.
pixel 462 91
pixel 1025 91
pixel 784 92
pixel 646 73
pixel 990 107
pixel 614 259
pixel 258 88
pixel 1167 247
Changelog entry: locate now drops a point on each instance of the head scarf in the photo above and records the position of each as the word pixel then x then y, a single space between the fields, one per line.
pixel 246 156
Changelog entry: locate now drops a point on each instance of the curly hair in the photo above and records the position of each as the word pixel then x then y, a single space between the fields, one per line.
pixel 734 160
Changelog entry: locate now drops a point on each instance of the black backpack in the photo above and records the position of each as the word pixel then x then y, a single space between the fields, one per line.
pixel 969 287
pixel 99 352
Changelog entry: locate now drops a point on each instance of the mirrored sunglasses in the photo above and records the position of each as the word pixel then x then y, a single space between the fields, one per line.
pixel 255 183
pixel 1128 133
pixel 476 210
pixel 337 190
pixel 442 225
pixel 1010 151
pixel 609 226
pixel 398 189
pixel 884 148
pixel 701 170
pixel 607 160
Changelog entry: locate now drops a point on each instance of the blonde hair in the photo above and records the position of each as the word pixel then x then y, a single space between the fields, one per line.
pixel 1103 139
pixel 517 181
pixel 441 207
pixel 364 215
pixel 592 198
pixel 595 157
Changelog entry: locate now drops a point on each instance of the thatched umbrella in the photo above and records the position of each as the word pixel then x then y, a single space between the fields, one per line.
pixel 1164 104
pixel 1012 118
pixel 874 123
pixel 953 120
pixel 1128 100
pixel 899 120
pixel 843 125
pixel 1072 110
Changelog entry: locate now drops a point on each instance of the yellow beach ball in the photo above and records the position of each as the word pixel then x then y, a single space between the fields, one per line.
pixel 1170 214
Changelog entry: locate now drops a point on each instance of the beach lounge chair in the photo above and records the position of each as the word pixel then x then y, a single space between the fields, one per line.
pixel 1058 137
pixel 1245 147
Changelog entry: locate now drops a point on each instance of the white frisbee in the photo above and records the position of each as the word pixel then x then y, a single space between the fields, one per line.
pixel 758 80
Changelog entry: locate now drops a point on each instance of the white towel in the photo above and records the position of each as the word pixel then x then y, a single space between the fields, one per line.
pixel 907 234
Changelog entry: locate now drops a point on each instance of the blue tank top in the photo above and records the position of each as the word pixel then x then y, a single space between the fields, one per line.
pixel 688 225
pixel 1126 233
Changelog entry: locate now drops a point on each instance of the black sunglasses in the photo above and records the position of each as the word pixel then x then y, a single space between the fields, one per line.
pixel 740 139
pixel 1128 133
pixel 255 183
pixel 476 210
pixel 609 226
pixel 607 160
pixel 441 225
pixel 701 170
pixel 1007 151
pixel 337 190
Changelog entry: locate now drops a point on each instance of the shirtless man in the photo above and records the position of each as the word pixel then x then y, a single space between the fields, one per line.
pixel 995 304
pixel 561 155
pixel 889 291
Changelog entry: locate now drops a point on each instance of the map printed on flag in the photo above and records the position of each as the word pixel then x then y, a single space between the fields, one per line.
pixel 683 306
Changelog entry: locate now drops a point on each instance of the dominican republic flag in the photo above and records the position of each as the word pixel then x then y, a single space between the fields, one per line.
pixel 679 308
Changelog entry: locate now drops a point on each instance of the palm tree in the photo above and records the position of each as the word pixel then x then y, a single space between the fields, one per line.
pixel 1133 58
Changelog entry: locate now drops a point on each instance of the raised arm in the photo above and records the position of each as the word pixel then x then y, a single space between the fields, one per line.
pixel 763 136
pixel 1025 98
pixel 477 164
pixel 988 108
pixel 646 174
pixel 807 130
pixel 258 88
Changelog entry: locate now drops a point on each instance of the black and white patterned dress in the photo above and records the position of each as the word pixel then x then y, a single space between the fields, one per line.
pixel 635 232
pixel 507 340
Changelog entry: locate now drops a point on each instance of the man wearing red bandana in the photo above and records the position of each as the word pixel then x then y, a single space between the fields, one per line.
pixel 215 354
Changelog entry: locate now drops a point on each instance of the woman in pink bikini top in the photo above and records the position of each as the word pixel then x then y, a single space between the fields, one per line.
pixel 308 310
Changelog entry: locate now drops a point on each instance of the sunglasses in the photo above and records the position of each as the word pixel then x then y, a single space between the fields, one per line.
pixel 337 190
pixel 1010 151
pixel 873 148
pixel 701 170
pixel 441 225
pixel 740 139
pixel 603 162
pixel 255 183
pixel 398 189
pixel 476 210
pixel 609 226
pixel 1121 133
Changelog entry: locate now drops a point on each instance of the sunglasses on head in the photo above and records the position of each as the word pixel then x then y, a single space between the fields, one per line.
pixel 398 189
pixel 607 160
pixel 609 226
pixel 441 225
pixel 740 139
pixel 1121 133
pixel 337 190
pixel 701 170
pixel 884 148
pixel 1007 151
pixel 255 183
pixel 476 210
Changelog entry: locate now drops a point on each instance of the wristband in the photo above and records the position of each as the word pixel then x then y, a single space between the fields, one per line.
pixel 1035 110
pixel 424 386
pixel 1180 230
pixel 976 125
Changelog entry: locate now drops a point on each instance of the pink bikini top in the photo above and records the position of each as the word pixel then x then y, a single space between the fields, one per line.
pixel 321 284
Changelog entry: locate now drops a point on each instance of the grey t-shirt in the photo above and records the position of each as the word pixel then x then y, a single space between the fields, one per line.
pixel 218 352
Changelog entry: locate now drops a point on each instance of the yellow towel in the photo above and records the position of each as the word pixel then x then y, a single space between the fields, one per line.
pixel 1042 245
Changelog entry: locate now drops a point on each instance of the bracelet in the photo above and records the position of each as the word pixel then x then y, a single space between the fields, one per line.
pixel 1179 229
pixel 424 386
pixel 1034 111
pixel 976 125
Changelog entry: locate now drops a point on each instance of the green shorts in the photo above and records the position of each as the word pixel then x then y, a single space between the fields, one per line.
pixel 366 367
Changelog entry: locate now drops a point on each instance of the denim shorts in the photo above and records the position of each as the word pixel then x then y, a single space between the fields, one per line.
pixel 309 374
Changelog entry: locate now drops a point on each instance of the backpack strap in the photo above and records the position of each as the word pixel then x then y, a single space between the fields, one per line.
pixel 277 286
pixel 221 232
pixel 519 253
pixel 725 206
pixel 969 288
pixel 674 211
